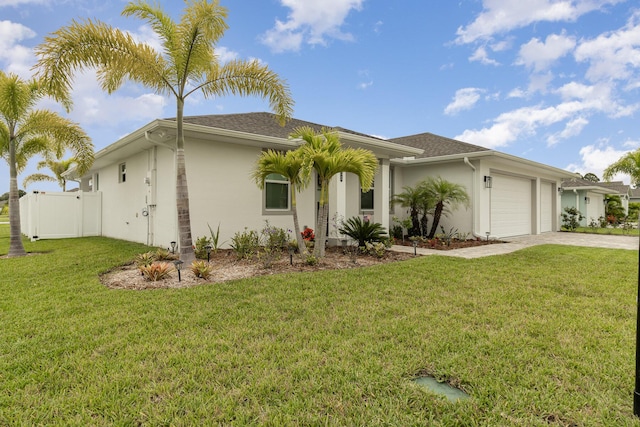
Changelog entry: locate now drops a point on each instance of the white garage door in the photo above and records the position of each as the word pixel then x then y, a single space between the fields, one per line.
pixel 546 207
pixel 510 206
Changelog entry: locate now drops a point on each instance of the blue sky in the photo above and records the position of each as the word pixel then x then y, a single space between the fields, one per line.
pixel 554 81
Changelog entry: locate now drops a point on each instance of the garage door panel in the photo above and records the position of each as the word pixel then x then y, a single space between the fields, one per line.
pixel 510 206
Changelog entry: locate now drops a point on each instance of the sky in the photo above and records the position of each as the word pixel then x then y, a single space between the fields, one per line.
pixel 553 81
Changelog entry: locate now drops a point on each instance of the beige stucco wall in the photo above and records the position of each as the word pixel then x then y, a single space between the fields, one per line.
pixel 476 219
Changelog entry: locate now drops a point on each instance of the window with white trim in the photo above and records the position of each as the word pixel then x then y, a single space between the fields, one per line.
pixel 276 192
pixel 122 172
pixel 366 199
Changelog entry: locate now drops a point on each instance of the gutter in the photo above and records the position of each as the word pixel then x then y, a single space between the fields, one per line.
pixel 474 199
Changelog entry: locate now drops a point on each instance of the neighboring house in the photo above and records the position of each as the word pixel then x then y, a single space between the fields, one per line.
pixel 634 195
pixel 136 176
pixel 589 197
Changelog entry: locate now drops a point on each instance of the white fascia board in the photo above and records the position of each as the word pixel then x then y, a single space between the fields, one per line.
pixel 592 188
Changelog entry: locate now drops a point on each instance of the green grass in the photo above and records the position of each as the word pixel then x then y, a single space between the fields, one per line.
pixel 543 336
pixel 614 231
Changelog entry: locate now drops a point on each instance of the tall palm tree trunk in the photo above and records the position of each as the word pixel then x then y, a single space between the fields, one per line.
pixel 182 193
pixel 302 247
pixel 16 248
pixel 437 213
pixel 321 231
pixel 424 222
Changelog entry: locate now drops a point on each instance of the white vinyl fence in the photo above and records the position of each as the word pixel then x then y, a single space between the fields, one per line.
pixel 45 215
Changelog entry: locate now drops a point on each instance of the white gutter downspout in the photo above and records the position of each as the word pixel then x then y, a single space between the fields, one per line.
pixel 474 199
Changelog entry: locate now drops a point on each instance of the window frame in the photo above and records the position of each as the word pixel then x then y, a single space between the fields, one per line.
pixel 373 200
pixel 280 182
pixel 122 172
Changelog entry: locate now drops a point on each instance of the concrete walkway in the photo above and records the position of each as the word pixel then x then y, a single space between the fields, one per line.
pixel 516 243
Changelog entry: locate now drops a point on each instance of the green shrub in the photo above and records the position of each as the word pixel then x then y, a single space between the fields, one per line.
pixel 201 247
pixel 377 249
pixel 363 231
pixel 571 218
pixel 274 237
pixel 245 244
pixel 201 268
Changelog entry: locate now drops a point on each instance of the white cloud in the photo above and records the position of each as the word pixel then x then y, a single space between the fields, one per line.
pixel 18 58
pixel 540 55
pixel 508 127
pixel 571 129
pixel 482 56
pixel 225 55
pixel 614 55
pixel 4 3
pixel 311 22
pixel 501 16
pixel 596 158
pixel 464 99
pixel 94 107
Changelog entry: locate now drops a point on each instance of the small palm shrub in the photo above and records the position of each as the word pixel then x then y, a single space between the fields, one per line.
pixel 201 269
pixel 156 271
pixel 363 231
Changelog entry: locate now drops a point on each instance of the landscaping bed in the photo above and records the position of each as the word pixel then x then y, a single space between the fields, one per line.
pixel 226 266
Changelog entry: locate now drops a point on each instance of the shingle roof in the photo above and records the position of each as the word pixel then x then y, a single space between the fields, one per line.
pixel 616 186
pixel 259 124
pixel 436 146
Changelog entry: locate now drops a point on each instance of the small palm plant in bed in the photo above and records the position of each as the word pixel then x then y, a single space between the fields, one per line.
pixel 363 231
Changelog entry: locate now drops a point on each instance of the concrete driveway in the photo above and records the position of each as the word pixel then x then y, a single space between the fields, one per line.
pixel 516 243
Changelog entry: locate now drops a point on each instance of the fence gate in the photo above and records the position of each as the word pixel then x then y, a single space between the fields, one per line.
pixel 45 215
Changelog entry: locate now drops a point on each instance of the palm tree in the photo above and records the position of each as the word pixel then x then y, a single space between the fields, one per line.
pixel 26 132
pixel 628 164
pixel 323 152
pixel 447 196
pixel 411 198
pixel 289 165
pixel 57 167
pixel 186 64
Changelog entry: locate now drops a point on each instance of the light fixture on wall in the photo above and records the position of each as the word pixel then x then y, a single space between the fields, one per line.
pixel 560 190
pixel 488 181
pixel 587 200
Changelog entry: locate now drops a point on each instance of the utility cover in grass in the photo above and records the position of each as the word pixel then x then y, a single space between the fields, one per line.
pixel 443 389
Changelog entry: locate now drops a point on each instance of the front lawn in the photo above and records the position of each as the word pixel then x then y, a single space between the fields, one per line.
pixel 543 336
pixel 614 231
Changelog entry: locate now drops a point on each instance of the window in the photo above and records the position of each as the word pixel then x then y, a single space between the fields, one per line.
pixel 366 199
pixel 276 192
pixel 122 172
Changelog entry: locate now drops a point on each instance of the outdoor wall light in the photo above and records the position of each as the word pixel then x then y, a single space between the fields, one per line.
pixel 488 181
pixel 587 200
pixel 178 265
pixel 173 247
pixel 560 190
pixel 208 248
